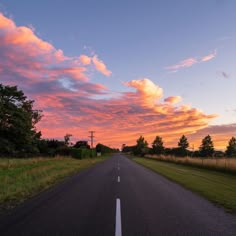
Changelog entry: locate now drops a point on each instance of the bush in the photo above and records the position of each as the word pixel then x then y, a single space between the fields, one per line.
pixel 82 153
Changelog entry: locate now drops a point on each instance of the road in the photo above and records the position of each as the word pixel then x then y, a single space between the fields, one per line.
pixel 118 197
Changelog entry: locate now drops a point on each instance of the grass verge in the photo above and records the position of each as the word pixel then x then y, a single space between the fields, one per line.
pixel 220 188
pixel 23 178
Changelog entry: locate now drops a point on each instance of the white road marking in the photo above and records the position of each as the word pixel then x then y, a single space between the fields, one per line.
pixel 118 218
pixel 118 179
pixel 118 168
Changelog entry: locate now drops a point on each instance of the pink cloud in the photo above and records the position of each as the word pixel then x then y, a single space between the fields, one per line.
pixel 100 66
pixel 25 56
pixel 183 64
pixel 190 62
pixel 209 57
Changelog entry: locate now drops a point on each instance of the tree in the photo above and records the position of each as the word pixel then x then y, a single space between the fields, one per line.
pixel 183 145
pixel 207 147
pixel 82 144
pixel 231 148
pixel 104 149
pixel 17 122
pixel 157 146
pixel 141 147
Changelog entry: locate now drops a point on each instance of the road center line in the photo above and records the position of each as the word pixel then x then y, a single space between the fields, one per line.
pixel 118 179
pixel 118 218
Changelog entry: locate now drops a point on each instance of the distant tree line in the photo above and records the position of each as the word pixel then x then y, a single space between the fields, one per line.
pixel 18 135
pixel 206 148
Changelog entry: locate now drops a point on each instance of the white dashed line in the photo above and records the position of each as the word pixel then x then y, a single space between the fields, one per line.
pixel 118 179
pixel 118 218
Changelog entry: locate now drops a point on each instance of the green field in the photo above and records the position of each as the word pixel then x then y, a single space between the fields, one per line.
pixel 22 178
pixel 217 187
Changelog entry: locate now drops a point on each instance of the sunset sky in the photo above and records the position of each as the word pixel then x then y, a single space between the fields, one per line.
pixel 124 68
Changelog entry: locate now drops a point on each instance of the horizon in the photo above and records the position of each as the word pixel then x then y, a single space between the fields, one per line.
pixel 124 69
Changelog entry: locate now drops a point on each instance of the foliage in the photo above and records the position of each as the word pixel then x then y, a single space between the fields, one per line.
pixel 128 148
pixel 52 147
pixel 105 149
pixel 82 144
pixel 82 153
pixel 141 147
pixel 207 147
pixel 231 148
pixel 157 146
pixel 183 145
pixel 18 134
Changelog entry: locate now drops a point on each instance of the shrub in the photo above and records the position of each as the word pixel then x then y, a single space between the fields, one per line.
pixel 82 153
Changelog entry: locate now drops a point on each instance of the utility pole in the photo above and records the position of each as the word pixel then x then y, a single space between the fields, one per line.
pixel 91 137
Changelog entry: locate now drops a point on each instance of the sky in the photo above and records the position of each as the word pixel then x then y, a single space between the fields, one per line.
pixel 124 68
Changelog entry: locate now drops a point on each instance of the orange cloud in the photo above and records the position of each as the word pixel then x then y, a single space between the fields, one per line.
pixel 148 91
pixel 85 59
pixel 123 119
pixel 100 66
pixel 173 99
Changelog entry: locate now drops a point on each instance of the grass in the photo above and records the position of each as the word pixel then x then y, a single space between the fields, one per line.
pixel 23 178
pixel 227 165
pixel 218 187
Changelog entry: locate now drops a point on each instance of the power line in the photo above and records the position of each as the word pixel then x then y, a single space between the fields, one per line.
pixel 91 137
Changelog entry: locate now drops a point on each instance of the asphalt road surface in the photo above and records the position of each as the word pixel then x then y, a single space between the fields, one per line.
pixel 118 197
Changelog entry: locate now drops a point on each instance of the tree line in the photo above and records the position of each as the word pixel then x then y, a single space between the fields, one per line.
pixel 18 134
pixel 206 148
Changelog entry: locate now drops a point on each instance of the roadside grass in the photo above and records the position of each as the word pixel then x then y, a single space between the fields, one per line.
pixel 227 165
pixel 23 178
pixel 218 187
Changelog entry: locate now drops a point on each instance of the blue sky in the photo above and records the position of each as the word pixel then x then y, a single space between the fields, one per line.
pixel 143 39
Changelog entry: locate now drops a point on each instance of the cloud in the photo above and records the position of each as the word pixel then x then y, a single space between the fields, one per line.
pixel 26 57
pixel 148 91
pixel 183 64
pixel 121 119
pixel 85 59
pixel 100 66
pixel 173 99
pixel 189 62
pixel 71 103
pixel 208 57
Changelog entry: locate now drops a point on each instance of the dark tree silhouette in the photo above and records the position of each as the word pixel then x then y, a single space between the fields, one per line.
pixel 231 148
pixel 157 146
pixel 141 147
pixel 207 147
pixel 18 134
pixel 183 145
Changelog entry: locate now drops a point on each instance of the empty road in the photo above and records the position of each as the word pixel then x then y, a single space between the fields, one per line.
pixel 118 197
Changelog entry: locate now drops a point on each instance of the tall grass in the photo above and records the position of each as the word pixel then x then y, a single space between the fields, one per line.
pixel 221 164
pixel 22 178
